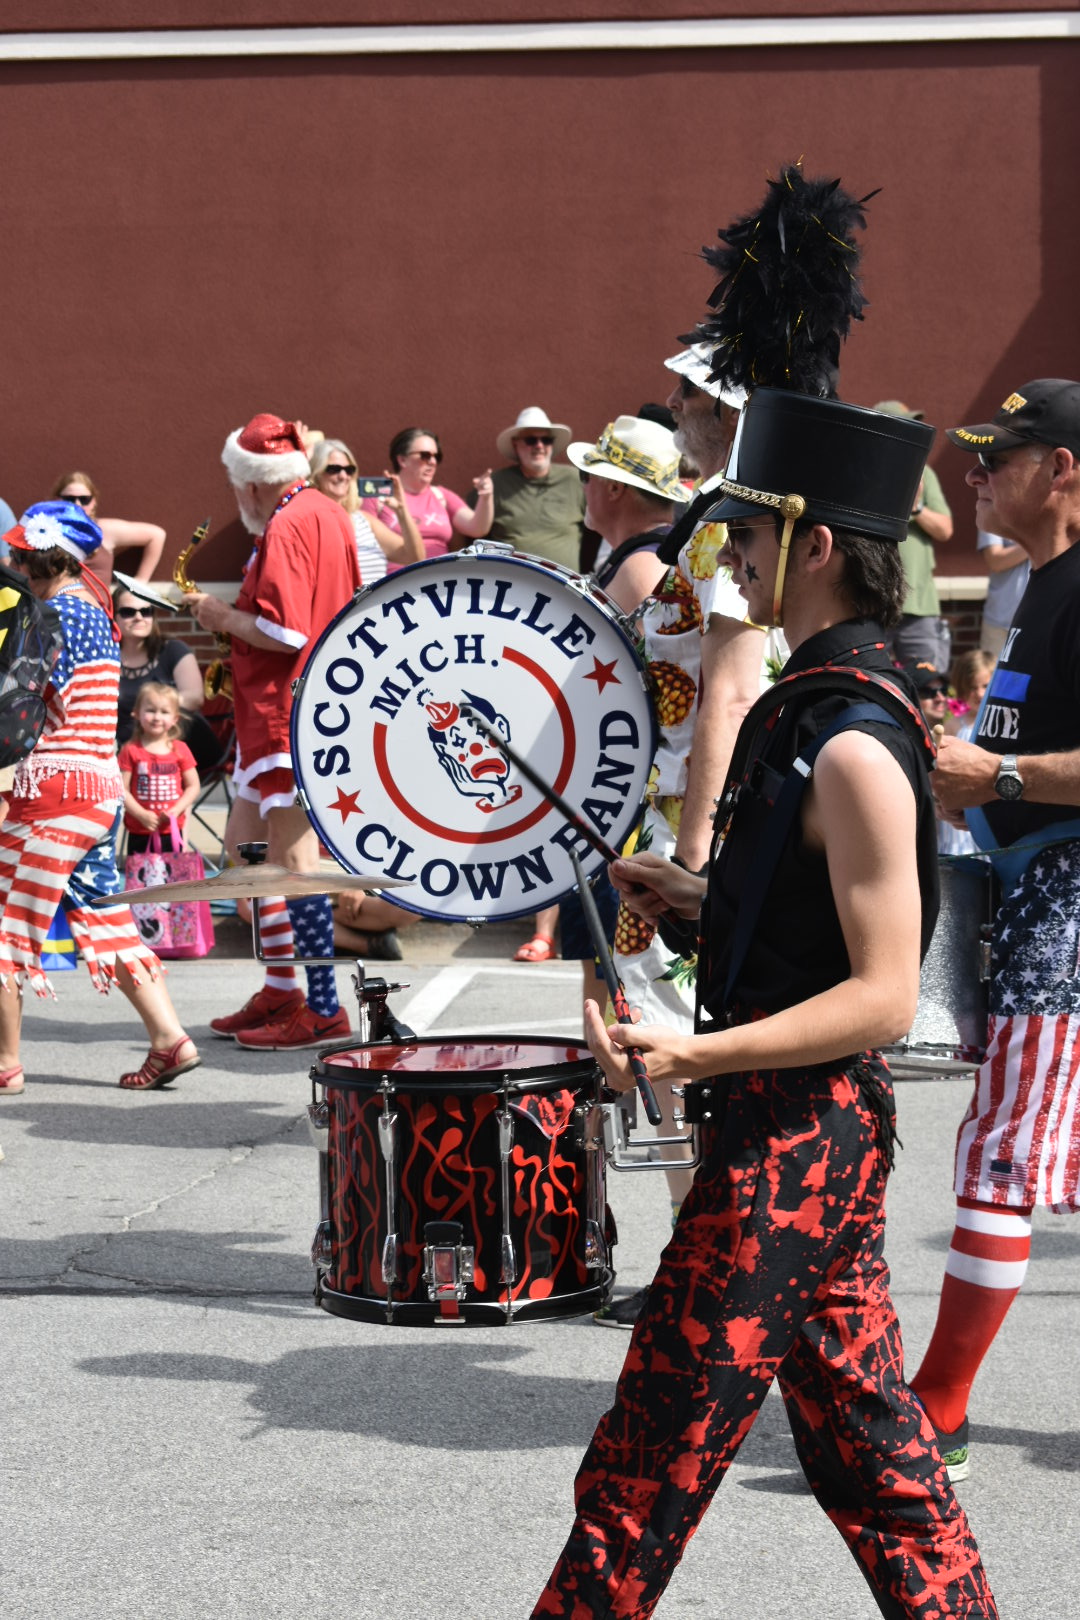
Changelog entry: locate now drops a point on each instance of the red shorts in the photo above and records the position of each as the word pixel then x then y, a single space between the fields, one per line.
pixel 273 789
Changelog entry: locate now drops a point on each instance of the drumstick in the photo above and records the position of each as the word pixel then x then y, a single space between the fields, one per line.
pixel 615 990
pixel 546 791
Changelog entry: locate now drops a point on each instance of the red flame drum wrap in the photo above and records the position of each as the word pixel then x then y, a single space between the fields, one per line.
pixel 462 1181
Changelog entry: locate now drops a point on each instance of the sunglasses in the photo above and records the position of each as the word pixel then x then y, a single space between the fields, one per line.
pixel 335 470
pixel 932 692
pixel 135 613
pixel 79 500
pixel 534 439
pixel 993 460
pixel 425 455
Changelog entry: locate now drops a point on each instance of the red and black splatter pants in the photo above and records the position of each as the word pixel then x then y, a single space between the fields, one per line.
pixel 774 1270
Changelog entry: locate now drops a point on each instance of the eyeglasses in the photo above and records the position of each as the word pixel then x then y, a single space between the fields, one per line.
pixel 425 455
pixel 80 500
pixel 135 613
pixel 337 469
pixel 534 439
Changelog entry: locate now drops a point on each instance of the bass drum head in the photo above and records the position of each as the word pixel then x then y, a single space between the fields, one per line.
pixel 396 780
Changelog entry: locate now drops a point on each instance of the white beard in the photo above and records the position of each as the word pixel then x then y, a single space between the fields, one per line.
pixel 249 514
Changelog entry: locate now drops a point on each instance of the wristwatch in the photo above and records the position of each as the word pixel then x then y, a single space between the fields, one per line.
pixel 1009 784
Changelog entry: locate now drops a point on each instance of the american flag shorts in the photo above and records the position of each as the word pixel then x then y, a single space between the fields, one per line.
pixel 1019 1142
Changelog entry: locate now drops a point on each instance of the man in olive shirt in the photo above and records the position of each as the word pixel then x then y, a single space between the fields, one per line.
pixel 539 508
pixel 922 636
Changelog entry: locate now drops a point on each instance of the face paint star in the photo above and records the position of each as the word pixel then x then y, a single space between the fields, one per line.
pixel 603 674
pixel 751 572
pixel 346 804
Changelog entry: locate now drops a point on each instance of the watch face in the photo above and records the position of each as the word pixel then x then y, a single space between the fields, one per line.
pixel 1008 787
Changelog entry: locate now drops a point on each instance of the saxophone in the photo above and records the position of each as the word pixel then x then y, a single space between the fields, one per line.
pixel 217 681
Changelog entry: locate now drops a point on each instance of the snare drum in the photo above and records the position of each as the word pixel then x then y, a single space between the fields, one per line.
pixel 398 782
pixel 462 1181
pixel 949 1032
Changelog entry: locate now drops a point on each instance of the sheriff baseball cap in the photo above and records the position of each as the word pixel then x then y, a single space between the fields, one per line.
pixel 1043 412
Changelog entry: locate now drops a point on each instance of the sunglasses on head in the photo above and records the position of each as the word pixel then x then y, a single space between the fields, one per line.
pixel 534 439
pixel 135 613
pixel 332 469
pixel 79 500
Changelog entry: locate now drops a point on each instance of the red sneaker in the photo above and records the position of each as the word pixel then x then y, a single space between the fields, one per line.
pixel 295 1030
pixel 264 1005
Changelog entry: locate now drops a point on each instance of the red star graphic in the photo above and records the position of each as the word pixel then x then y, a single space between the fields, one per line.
pixel 346 804
pixel 603 674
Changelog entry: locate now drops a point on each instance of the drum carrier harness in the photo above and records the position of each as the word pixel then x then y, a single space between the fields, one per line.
pixel 878 699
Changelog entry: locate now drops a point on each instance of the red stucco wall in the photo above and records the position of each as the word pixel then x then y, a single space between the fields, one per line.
pixel 369 242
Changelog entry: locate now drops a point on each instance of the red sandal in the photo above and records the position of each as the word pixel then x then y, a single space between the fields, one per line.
pixel 160 1067
pixel 11 1081
pixel 541 948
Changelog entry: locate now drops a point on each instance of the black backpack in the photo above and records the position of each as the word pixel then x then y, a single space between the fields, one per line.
pixel 30 644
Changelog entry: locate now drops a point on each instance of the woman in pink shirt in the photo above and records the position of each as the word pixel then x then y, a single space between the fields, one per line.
pixel 445 522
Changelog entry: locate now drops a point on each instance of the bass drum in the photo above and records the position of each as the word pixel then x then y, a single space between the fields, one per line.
pixel 462 1181
pixel 398 782
pixel 949 1032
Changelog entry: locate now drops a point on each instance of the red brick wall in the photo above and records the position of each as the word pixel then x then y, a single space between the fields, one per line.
pixel 371 242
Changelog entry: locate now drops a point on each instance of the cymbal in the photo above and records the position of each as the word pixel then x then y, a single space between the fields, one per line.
pixel 253 882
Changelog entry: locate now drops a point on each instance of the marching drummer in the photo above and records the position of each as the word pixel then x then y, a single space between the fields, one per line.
pixel 817 904
pixel 303 572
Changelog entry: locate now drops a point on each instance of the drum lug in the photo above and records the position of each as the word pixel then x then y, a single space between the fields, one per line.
pixel 448 1262
pixel 318 1123
pixel 986 931
pixel 389 1259
pixel 321 1252
pixel 387 1132
pixel 508 1270
pixel 595 1247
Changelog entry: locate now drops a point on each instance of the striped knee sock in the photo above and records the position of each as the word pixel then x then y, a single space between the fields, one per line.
pixel 987 1261
pixel 313 926
pixel 276 933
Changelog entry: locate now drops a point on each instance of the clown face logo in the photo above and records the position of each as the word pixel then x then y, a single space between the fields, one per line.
pixel 395 771
pixel 474 765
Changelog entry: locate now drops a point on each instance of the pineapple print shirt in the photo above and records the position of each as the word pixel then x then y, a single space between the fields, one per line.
pixel 693 589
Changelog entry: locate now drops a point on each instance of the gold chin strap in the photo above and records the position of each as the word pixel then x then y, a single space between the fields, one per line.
pixel 792 508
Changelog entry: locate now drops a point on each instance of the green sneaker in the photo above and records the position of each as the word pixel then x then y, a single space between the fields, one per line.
pixel 954 1452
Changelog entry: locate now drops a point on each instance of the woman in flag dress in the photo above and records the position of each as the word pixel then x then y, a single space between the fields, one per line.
pixel 62 807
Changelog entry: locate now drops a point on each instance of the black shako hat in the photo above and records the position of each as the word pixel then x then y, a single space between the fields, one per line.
pixel 826 461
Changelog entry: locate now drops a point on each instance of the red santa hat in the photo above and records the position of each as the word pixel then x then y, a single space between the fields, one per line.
pixel 268 451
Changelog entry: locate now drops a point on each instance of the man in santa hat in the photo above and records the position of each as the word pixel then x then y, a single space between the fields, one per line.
pixel 303 572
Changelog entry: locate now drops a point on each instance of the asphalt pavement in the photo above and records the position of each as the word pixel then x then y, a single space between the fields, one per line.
pixel 185 1435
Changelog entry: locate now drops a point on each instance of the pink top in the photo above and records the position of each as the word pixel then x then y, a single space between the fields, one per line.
pixel 432 511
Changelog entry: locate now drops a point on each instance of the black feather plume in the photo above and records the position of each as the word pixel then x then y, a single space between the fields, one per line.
pixel 788 290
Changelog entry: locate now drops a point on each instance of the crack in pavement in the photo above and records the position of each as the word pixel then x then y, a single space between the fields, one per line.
pixel 79 1262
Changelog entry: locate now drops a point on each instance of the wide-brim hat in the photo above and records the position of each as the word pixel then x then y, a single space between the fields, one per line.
pixel 1046 411
pixel 850 468
pixel 532 420
pixel 632 450
pixel 145 592
pixel 695 364
pixel 268 450
pixel 55 523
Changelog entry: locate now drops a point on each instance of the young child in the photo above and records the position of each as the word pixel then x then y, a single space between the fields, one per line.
pixel 971 672
pixel 158 770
